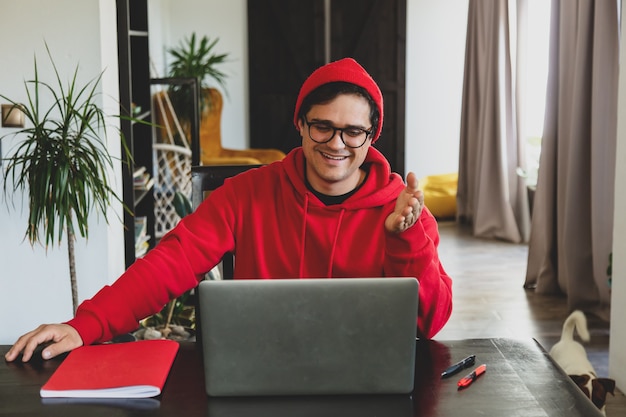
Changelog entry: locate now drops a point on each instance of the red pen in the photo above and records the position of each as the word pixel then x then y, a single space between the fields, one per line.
pixel 467 380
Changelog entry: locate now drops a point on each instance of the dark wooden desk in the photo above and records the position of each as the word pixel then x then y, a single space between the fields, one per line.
pixel 521 380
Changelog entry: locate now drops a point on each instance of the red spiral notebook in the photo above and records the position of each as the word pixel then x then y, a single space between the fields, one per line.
pixel 118 370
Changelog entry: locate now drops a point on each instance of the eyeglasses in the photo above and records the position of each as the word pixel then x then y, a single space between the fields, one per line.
pixel 321 132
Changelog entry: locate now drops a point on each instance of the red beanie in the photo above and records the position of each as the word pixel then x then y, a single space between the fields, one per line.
pixel 345 70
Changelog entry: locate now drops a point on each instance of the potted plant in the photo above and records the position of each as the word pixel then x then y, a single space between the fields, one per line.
pixel 61 161
pixel 198 60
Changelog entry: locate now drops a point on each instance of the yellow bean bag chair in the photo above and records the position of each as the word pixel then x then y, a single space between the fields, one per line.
pixel 440 194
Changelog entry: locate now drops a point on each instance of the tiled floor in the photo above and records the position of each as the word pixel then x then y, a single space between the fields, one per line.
pixel 490 301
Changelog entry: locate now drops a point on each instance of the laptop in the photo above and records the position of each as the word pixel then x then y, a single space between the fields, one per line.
pixel 308 336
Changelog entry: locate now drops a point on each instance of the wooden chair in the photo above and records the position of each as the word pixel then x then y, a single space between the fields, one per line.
pixel 211 150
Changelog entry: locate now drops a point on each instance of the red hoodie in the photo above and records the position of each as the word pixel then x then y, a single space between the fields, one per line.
pixel 279 230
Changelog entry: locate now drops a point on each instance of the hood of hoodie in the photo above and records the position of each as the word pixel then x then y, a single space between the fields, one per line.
pixel 381 187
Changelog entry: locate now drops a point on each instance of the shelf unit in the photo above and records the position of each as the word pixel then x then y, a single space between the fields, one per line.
pixel 135 101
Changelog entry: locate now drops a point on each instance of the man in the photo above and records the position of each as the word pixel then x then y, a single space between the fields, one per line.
pixel 331 208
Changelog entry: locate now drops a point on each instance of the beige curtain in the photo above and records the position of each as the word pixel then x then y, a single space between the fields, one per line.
pixel 491 196
pixel 572 220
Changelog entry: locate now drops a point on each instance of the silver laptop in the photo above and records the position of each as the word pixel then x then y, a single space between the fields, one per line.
pixel 308 336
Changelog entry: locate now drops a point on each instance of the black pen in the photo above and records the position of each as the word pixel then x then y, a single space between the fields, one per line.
pixel 453 369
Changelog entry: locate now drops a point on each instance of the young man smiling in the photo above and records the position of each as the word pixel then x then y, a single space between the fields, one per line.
pixel 331 208
pixel 333 167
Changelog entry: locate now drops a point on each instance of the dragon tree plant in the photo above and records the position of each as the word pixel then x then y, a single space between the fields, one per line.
pixel 61 161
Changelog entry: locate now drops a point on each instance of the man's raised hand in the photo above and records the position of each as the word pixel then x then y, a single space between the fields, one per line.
pixel 408 208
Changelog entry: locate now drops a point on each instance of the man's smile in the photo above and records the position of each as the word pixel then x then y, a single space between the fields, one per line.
pixel 334 157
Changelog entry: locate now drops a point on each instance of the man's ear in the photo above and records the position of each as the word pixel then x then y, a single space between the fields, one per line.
pixel 301 129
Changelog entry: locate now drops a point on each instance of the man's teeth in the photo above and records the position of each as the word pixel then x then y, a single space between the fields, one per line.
pixel 337 158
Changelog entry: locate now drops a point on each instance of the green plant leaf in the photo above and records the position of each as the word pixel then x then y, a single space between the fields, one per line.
pixel 182 205
pixel 62 161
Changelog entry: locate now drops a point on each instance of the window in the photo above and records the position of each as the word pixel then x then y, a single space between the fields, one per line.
pixel 536 67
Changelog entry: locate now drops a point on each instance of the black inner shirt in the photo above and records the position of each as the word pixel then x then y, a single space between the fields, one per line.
pixel 330 200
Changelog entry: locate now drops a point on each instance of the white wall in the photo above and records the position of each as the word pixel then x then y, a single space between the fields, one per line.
pixel 34 286
pixel 435 56
pixel 617 353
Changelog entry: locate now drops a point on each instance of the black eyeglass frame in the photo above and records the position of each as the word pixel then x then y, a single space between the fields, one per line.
pixel 335 129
